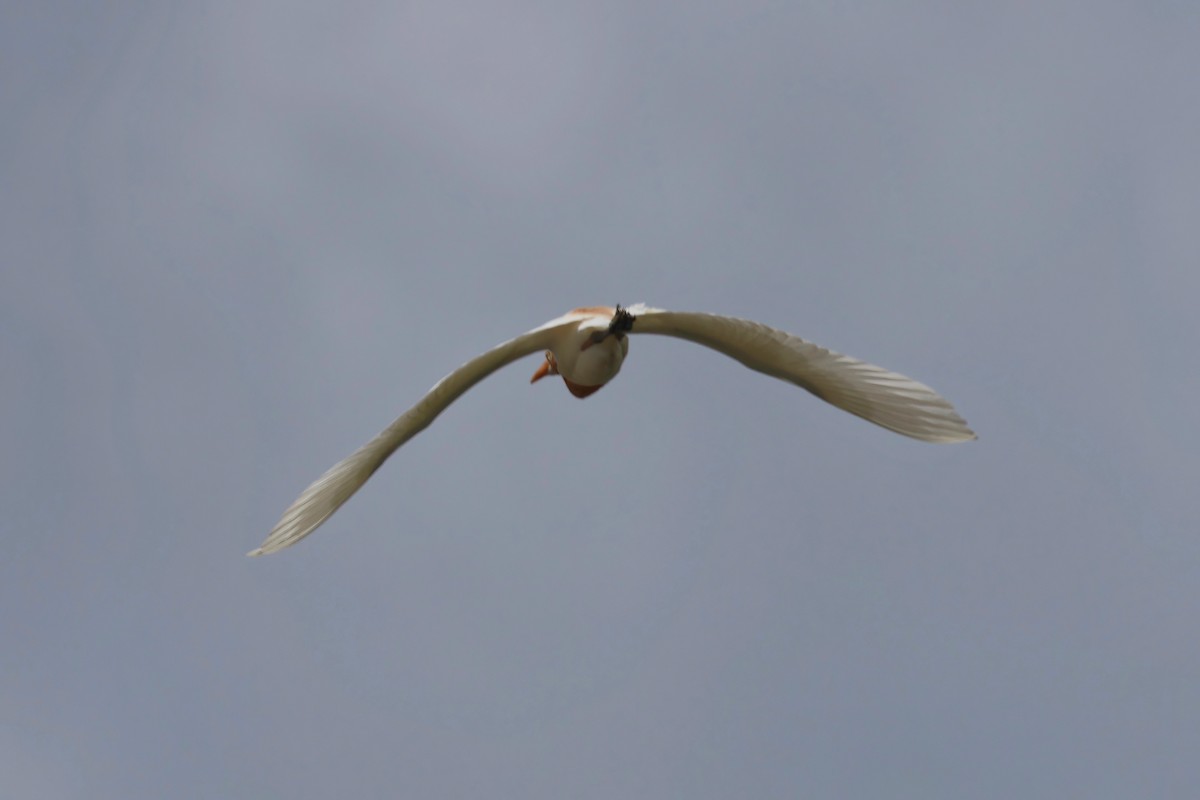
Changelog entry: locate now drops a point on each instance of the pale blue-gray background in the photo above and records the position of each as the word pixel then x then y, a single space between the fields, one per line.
pixel 238 239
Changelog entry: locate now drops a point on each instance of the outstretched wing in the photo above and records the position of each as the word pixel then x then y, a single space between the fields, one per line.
pixel 335 487
pixel 878 395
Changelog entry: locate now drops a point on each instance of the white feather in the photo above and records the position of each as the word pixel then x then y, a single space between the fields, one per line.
pixel 886 398
pixel 328 492
pixel 873 393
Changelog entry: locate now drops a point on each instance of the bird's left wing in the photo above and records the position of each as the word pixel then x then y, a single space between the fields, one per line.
pixel 888 399
pixel 335 487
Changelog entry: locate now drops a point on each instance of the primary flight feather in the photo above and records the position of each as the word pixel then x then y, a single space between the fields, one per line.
pixel 587 346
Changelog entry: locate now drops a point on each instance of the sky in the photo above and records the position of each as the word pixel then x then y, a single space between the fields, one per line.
pixel 238 239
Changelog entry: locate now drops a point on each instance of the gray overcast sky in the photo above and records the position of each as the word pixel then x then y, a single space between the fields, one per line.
pixel 237 239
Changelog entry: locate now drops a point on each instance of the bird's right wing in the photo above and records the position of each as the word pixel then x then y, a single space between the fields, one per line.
pixel 343 479
pixel 886 398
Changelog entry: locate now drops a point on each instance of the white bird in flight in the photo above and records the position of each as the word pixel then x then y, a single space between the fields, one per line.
pixel 586 347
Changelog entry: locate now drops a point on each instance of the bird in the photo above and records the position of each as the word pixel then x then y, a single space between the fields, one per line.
pixel 586 347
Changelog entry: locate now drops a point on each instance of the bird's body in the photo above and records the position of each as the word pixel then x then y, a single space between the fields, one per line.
pixel 587 346
pixel 585 364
